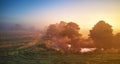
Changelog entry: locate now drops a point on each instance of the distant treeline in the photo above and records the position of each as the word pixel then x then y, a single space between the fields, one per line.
pixel 9 26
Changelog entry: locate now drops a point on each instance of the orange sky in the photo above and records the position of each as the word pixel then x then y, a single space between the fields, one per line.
pixel 86 13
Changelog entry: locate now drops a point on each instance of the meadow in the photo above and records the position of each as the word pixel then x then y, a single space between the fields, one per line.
pixel 27 56
pixel 12 51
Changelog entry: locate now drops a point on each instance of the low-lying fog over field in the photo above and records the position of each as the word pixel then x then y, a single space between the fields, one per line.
pixel 60 32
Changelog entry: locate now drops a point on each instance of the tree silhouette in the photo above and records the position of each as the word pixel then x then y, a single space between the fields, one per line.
pixel 117 40
pixel 59 36
pixel 52 31
pixel 102 35
pixel 72 32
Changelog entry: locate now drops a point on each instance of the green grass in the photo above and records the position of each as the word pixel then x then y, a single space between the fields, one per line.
pixel 33 56
pixel 38 55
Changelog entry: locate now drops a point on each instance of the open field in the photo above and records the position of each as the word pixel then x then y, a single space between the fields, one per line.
pixel 17 38
pixel 27 56
pixel 22 49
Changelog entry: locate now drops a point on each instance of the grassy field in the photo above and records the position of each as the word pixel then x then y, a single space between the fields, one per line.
pixel 13 51
pixel 41 56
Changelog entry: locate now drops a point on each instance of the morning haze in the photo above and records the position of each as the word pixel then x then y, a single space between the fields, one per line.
pixel 60 32
pixel 42 13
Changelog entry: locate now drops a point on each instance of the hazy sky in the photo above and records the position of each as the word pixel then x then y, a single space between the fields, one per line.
pixel 40 13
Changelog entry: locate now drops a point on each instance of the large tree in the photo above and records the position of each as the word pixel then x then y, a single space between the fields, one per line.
pixel 102 35
pixel 72 32
pixel 63 36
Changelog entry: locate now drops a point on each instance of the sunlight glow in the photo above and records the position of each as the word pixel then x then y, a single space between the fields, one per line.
pixel 85 13
pixel 84 50
pixel 69 46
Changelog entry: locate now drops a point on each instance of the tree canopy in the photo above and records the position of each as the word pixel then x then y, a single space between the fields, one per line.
pixel 63 36
pixel 102 35
pixel 117 40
